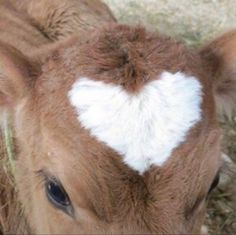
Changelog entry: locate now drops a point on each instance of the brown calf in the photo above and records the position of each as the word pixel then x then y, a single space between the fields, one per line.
pixel 116 131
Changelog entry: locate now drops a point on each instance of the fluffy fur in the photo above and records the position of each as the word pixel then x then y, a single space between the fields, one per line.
pixel 219 57
pixel 108 197
pixel 145 127
pixel 31 27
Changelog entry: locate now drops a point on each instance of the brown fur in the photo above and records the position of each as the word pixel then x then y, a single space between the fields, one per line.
pixel 31 27
pixel 220 57
pixel 108 197
pixel 57 19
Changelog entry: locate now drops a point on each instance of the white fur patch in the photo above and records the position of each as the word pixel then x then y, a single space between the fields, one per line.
pixel 144 128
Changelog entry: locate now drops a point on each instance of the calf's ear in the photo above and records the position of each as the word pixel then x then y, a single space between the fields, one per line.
pixel 220 59
pixel 17 74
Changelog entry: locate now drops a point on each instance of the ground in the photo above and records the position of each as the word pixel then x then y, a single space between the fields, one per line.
pixel 195 22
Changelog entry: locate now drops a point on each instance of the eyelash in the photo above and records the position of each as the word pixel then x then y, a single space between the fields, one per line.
pixel 44 177
pixel 40 175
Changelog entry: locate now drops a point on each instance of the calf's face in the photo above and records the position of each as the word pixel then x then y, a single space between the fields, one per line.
pixel 114 135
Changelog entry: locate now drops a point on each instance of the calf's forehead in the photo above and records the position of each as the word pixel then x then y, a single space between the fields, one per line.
pixel 145 127
pixel 106 111
pixel 139 95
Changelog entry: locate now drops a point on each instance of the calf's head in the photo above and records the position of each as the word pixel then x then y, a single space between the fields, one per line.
pixel 115 135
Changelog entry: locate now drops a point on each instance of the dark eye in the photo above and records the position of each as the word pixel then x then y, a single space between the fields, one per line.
pixel 214 183
pixel 57 195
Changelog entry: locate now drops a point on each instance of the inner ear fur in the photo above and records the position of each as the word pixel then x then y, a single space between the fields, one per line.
pixel 220 59
pixel 17 73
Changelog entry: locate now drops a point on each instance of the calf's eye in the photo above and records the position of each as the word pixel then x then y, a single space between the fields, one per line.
pixel 57 196
pixel 214 183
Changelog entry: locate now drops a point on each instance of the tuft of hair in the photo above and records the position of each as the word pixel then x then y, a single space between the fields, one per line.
pixel 220 60
pixel 120 49
pixel 129 57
